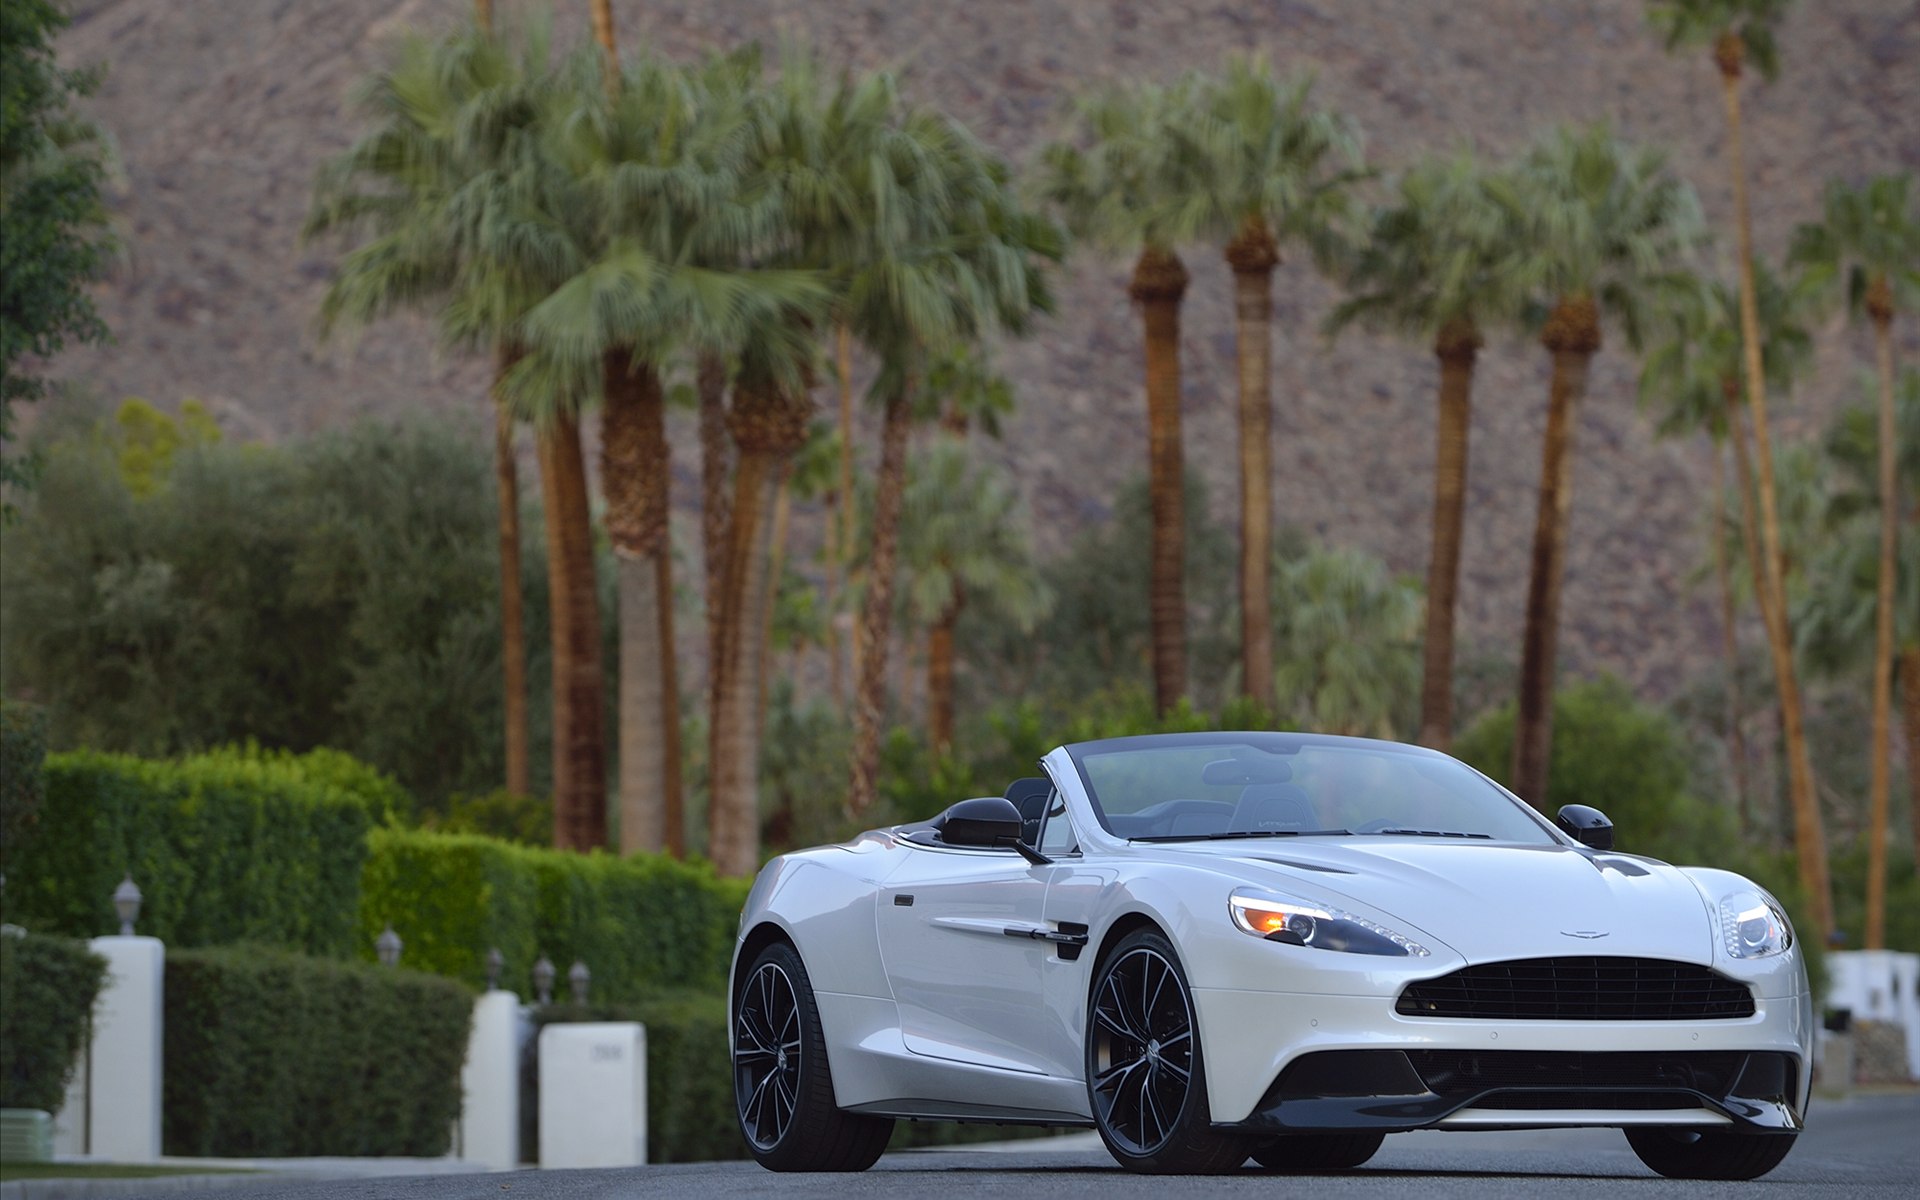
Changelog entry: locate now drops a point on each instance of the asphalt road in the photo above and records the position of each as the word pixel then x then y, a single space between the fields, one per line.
pixel 1861 1148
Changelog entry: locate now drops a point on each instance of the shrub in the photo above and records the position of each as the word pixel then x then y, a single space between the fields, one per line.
pixel 23 752
pixel 274 1054
pixel 47 989
pixel 639 923
pixel 225 848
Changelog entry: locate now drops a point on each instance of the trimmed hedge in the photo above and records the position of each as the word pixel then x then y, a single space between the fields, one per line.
pixel 271 1054
pixel 228 846
pixel 47 989
pixel 640 923
pixel 23 752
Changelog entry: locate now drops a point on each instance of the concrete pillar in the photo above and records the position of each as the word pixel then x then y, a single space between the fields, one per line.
pixel 123 1085
pixel 490 1084
pixel 593 1095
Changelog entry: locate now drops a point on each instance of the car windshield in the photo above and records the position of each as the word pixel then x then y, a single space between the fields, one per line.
pixel 1195 787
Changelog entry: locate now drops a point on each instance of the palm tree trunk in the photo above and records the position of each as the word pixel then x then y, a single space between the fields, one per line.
pixel 940 674
pixel 673 799
pixel 513 630
pixel 1880 305
pixel 1456 346
pixel 1159 282
pixel 603 34
pixel 1253 256
pixel 714 505
pixel 1910 707
pixel 877 613
pixel 776 571
pixel 1573 336
pixel 483 16
pixel 633 477
pixel 579 721
pixel 768 427
pixel 1810 842
pixel 839 562
pixel 1736 741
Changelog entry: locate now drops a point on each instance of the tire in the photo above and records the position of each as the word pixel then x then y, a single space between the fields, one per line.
pixel 782 1084
pixel 1146 1081
pixel 1709 1153
pixel 1317 1151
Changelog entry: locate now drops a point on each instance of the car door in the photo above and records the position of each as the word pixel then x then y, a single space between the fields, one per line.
pixel 1074 891
pixel 956 939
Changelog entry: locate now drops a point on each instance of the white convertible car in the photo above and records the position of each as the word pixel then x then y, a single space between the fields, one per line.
pixel 1220 946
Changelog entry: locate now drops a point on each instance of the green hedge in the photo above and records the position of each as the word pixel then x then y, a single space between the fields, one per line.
pixel 273 1054
pixel 640 923
pixel 228 846
pixel 23 752
pixel 47 989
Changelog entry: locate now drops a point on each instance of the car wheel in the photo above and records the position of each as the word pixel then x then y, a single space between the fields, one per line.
pixel 1145 1078
pixel 1709 1153
pixel 782 1085
pixel 1317 1151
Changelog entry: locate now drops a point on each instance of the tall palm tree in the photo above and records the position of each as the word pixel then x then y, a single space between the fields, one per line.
pixel 1118 194
pixel 1438 263
pixel 1263 168
pixel 449 117
pixel 1690 382
pixel 963 541
pixel 1605 224
pixel 1738 31
pixel 1870 243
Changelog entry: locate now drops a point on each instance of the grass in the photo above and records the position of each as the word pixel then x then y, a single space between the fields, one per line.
pixel 10 1171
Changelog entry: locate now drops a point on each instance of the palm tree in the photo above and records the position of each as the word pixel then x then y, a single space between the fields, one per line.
pixel 1117 194
pixel 1690 381
pixel 1438 263
pixel 1871 241
pixel 1262 168
pixel 1739 30
pixel 1604 224
pixel 1345 630
pixel 963 541
pixel 449 117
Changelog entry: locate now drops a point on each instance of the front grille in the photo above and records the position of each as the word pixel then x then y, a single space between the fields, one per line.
pixel 1578 1079
pixel 1579 989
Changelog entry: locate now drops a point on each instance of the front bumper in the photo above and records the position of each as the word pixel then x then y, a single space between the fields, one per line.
pixel 1282 1062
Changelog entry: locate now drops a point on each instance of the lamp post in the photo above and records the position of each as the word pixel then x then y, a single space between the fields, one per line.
pixel 126 904
pixel 543 980
pixel 388 946
pixel 578 978
pixel 496 962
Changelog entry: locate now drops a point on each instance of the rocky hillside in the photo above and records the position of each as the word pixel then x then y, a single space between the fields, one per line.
pixel 222 111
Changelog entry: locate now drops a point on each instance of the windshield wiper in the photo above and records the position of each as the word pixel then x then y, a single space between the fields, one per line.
pixel 1244 833
pixel 1444 833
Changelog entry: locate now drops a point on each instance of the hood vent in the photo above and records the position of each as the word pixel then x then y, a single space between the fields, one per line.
pixel 1579 989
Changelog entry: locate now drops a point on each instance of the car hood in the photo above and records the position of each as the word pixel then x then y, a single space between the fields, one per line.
pixel 1489 902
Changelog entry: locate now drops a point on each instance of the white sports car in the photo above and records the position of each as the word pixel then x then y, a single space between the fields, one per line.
pixel 1217 946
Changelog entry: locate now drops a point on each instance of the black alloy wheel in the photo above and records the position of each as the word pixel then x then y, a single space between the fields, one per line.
pixel 1145 1076
pixel 782 1085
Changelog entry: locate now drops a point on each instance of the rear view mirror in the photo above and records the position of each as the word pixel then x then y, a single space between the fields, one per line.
pixel 1588 826
pixel 982 821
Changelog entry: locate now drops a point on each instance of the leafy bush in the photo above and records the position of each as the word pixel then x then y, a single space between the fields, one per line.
pixel 23 753
pixel 226 847
pixel 274 1054
pixel 639 923
pixel 527 820
pixel 47 989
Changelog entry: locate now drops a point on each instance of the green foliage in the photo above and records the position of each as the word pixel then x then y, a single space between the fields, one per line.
pixel 525 820
pixel 1622 757
pixel 149 440
pixel 1346 642
pixel 1870 233
pixel 1694 23
pixel 23 752
pixel 337 591
pixel 47 989
pixel 52 220
pixel 226 847
pixel 275 1055
pixel 642 922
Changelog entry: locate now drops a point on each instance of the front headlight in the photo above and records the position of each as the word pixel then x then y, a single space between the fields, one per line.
pixel 1321 926
pixel 1752 925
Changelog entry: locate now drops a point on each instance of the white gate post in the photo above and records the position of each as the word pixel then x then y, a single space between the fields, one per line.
pixel 593 1095
pixel 490 1084
pixel 123 1083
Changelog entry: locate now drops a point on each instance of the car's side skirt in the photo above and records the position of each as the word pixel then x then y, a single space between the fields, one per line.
pixel 942 1110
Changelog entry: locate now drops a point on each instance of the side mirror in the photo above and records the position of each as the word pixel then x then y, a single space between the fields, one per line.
pixel 1588 826
pixel 982 821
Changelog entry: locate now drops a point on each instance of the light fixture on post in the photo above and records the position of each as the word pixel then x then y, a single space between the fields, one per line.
pixel 578 978
pixel 496 962
pixel 543 980
pixel 126 904
pixel 388 946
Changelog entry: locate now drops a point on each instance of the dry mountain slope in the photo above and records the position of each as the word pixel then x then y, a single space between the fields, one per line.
pixel 223 110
